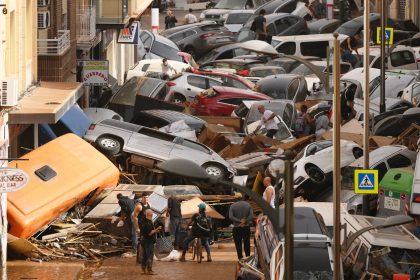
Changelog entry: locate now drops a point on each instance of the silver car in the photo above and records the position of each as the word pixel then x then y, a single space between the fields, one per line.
pixel 187 86
pixel 112 137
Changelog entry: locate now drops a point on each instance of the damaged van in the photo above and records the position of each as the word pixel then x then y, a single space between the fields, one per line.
pixel 62 173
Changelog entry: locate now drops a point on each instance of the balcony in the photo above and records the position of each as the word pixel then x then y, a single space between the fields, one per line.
pixel 112 13
pixel 85 25
pixel 55 47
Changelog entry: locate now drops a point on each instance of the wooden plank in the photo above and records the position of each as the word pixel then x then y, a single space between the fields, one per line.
pixel 89 252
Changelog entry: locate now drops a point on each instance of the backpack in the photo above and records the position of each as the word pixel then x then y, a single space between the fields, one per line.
pixel 253 26
pixel 202 225
pixel 300 123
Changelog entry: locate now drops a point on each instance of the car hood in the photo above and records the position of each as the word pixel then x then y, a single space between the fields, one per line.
pixel 216 12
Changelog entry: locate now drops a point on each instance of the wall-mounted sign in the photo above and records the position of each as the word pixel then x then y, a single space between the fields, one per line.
pixel 94 72
pixel 130 34
pixel 12 179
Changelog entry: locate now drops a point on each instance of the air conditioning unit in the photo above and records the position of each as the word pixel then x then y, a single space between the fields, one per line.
pixel 43 20
pixel 42 3
pixel 9 92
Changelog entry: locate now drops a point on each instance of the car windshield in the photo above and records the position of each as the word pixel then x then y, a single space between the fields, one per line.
pixel 245 34
pixel 126 95
pixel 255 115
pixel 231 4
pixel 283 132
pixel 388 261
pixel 393 86
pixel 241 111
pixel 165 51
pixel 238 18
pixel 311 261
pixel 266 72
pixel 305 71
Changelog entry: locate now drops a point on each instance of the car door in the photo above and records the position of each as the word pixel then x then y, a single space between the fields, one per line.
pixel 183 148
pixel 144 45
pixel 150 143
pixel 186 38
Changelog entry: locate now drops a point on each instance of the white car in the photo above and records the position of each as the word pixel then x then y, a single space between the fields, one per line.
pixel 236 19
pixel 316 160
pixel 153 65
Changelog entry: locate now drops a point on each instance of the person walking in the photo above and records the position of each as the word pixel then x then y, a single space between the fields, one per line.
pixel 190 17
pixel 127 208
pixel 147 241
pixel 269 192
pixel 268 121
pixel 201 227
pixel 175 216
pixel 241 214
pixel 259 26
pixel 170 20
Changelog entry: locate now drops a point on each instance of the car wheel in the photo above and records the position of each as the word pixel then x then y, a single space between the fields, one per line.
pixel 215 170
pixel 179 98
pixel 108 145
pixel 315 173
pixel 191 51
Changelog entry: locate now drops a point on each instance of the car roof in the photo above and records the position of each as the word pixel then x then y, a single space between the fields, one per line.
pixel 222 89
pixel 162 39
pixel 242 12
pixel 310 37
pixel 379 154
pixel 305 222
pixel 238 60
pixel 396 237
pixel 171 115
pixel 376 50
pixel 176 29
pixel 279 79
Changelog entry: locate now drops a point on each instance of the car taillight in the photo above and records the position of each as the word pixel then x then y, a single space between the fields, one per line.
pixel 204 36
pixel 170 84
pixel 92 126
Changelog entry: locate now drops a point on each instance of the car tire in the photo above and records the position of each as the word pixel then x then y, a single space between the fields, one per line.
pixel 315 173
pixel 214 169
pixel 179 98
pixel 108 145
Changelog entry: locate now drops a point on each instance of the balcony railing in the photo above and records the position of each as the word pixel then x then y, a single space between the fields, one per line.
pixel 57 46
pixel 85 24
pixel 112 12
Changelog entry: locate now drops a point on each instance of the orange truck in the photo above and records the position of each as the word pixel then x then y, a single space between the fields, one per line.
pixel 62 173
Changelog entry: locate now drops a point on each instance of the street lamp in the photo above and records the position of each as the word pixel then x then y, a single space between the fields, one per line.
pixel 189 169
pixel 389 222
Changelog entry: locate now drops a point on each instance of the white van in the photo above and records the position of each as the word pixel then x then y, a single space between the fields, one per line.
pixel 402 57
pixel 305 45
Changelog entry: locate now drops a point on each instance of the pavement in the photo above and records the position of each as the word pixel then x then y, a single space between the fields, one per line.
pixel 28 270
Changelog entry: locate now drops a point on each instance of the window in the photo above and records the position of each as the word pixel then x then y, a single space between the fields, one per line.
pixel 235 83
pixel 287 115
pixel 291 91
pixel 398 161
pixel 177 37
pixel 213 27
pixel 146 39
pixel 287 48
pixel 382 169
pixel 291 21
pixel 416 94
pixel 271 29
pixel 165 51
pixel 189 33
pixel 238 18
pixel 318 49
pixel 196 81
pixel 402 58
pixel 212 83
pixel 145 67
pixel 226 55
pixel 232 101
pixel 281 25
pixel 359 265
pixel 161 93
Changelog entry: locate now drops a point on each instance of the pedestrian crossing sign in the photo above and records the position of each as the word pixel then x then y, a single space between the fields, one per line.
pixel 389 35
pixel 366 181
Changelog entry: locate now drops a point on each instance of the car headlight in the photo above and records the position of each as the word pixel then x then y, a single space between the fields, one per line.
pixel 202 16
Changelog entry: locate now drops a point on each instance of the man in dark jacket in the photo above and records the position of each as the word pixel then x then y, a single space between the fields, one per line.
pixel 241 214
pixel 148 240
pixel 127 207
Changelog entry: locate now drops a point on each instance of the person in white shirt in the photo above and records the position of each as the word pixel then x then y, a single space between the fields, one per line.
pixel 268 120
pixel 167 70
pixel 269 193
pixel 190 18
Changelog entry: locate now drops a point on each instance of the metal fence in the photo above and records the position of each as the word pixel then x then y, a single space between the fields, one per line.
pixel 56 46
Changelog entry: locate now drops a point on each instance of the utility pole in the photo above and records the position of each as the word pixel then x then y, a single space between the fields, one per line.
pixel 289 215
pixel 336 158
pixel 382 105
pixel 366 35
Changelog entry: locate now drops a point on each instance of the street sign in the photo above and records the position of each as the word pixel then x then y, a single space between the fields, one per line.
pixel 130 34
pixel 12 179
pixel 366 181
pixel 389 35
pixel 94 72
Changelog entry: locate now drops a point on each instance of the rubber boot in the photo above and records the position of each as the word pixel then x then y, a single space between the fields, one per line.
pixel 143 268
pixel 182 258
pixel 209 257
pixel 150 270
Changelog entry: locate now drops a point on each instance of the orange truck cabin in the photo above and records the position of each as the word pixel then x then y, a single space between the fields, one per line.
pixel 61 173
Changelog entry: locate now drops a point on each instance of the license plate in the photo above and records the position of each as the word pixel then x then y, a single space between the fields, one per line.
pixel 392 203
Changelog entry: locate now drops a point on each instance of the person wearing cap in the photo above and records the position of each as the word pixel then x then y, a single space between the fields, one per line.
pixel 200 228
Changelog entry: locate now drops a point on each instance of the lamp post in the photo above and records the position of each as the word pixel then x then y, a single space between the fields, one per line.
pixel 189 169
